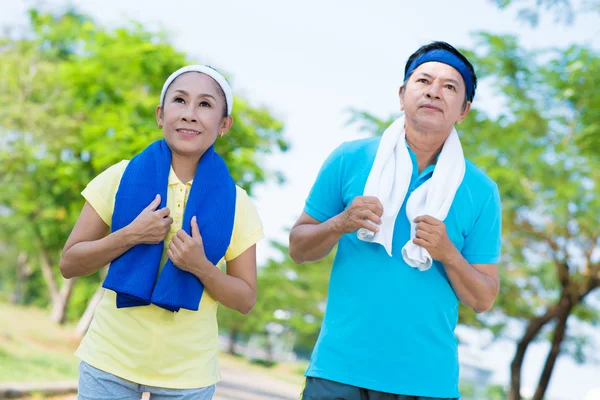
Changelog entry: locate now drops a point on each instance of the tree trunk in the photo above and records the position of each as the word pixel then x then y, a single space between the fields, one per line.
pixel 269 350
pixel 571 297
pixel 86 319
pixel 557 338
pixel 88 315
pixel 60 298
pixel 61 301
pixel 233 335
pixel 533 328
pixel 23 271
pixel 47 272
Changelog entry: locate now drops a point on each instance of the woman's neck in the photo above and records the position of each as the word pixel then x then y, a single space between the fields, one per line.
pixel 184 167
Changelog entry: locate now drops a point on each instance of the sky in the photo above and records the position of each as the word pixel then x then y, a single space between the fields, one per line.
pixel 309 62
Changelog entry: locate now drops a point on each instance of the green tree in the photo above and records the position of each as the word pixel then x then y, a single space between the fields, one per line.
pixel 77 97
pixel 537 150
pixel 564 11
pixel 292 296
pixel 495 392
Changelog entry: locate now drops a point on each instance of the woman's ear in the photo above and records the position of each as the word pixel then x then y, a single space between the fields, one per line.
pixel 159 116
pixel 225 125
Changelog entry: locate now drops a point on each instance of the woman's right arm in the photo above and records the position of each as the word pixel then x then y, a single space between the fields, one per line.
pixel 89 248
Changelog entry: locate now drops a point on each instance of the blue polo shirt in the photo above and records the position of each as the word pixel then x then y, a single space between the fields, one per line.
pixel 389 327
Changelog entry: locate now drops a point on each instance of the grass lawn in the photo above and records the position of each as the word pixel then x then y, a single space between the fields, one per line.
pixel 33 349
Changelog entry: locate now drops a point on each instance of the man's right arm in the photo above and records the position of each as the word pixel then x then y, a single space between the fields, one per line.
pixel 326 218
pixel 311 240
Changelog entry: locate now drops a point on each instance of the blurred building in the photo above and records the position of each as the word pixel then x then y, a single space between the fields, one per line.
pixel 475 376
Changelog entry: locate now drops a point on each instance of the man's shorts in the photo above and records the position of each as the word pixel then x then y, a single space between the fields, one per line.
pixel 323 389
pixel 95 384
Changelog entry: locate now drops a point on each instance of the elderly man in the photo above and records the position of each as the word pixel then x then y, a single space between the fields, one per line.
pixel 418 230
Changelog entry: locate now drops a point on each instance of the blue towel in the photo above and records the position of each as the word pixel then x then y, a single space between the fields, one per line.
pixel 212 200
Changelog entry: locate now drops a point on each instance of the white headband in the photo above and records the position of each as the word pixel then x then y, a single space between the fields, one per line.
pixel 204 69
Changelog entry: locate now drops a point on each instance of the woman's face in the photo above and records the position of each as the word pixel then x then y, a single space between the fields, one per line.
pixel 192 114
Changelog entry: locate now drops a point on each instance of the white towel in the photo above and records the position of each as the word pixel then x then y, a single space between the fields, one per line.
pixel 389 180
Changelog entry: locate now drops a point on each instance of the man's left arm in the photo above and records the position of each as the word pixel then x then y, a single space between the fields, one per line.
pixel 474 271
pixel 476 285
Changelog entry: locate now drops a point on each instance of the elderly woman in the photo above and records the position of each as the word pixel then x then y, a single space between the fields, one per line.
pixel 163 221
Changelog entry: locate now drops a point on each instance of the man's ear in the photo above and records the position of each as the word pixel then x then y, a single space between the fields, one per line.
pixel 464 112
pixel 401 95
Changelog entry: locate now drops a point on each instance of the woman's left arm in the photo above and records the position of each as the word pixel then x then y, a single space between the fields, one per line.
pixel 235 289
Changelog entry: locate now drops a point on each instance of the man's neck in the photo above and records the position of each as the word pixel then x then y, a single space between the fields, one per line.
pixel 426 146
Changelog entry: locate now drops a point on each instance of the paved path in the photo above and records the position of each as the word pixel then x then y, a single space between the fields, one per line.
pixel 242 385
pixel 238 384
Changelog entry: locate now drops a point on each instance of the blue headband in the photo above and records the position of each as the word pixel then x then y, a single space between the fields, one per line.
pixel 446 57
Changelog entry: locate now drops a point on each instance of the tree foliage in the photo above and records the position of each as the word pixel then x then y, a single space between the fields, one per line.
pixel 563 11
pixel 77 97
pixel 292 297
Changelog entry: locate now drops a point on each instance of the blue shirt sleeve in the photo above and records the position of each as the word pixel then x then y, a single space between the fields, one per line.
pixel 325 199
pixel 482 245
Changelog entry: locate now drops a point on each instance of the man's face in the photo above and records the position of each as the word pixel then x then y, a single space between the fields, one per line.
pixel 433 98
